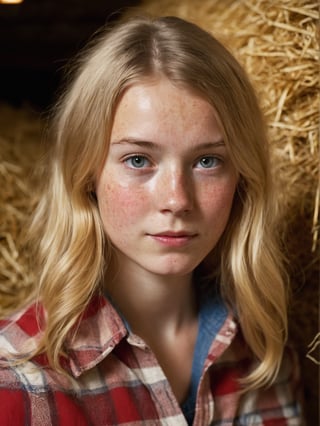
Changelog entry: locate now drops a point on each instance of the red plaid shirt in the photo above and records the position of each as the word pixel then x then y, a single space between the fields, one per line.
pixel 116 380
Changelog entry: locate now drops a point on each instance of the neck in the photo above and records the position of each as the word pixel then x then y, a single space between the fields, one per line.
pixel 162 311
pixel 153 303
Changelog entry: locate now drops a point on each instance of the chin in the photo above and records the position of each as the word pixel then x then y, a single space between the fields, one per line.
pixel 174 269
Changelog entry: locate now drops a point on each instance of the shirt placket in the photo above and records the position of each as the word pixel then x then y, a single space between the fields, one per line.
pixel 154 379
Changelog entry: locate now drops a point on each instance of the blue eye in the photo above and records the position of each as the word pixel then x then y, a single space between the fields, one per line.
pixel 208 162
pixel 137 161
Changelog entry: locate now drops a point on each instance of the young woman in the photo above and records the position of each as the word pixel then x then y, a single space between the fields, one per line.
pixel 161 297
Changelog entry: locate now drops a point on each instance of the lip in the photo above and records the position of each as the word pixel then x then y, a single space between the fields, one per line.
pixel 173 239
pixel 176 234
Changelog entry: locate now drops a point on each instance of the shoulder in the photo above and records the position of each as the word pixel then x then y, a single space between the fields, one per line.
pixel 21 327
pixel 31 394
pixel 16 389
pixel 12 407
pixel 18 335
pixel 281 401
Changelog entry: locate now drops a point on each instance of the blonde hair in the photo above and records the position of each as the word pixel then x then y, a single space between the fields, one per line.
pixel 72 251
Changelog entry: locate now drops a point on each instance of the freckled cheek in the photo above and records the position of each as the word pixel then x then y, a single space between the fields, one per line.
pixel 120 206
pixel 217 201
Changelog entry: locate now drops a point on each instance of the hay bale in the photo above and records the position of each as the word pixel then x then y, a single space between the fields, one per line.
pixel 20 132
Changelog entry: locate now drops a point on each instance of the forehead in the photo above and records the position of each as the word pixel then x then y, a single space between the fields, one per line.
pixel 161 104
pixel 165 87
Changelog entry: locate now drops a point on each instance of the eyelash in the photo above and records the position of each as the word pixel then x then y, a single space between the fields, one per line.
pixel 136 156
pixel 128 161
pixel 214 158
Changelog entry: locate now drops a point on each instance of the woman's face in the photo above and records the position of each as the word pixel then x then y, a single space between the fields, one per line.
pixel 166 189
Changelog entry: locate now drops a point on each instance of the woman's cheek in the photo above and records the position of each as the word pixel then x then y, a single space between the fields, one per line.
pixel 120 206
pixel 218 196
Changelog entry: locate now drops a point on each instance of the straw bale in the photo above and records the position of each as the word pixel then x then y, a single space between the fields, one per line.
pixel 19 149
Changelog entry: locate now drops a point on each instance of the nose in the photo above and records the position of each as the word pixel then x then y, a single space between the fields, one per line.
pixel 175 192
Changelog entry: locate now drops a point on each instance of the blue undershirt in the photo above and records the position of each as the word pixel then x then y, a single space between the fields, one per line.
pixel 212 315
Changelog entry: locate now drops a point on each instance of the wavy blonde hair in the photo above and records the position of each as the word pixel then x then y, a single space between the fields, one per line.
pixel 72 251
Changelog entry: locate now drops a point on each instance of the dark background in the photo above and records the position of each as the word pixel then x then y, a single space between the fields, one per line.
pixel 37 39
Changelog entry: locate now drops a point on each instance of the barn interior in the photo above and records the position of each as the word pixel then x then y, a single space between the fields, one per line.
pixel 276 42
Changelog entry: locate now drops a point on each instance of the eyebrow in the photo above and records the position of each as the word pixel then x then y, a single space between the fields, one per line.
pixel 137 142
pixel 156 147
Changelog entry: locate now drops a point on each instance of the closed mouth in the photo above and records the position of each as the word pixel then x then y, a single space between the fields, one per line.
pixel 172 234
pixel 173 239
